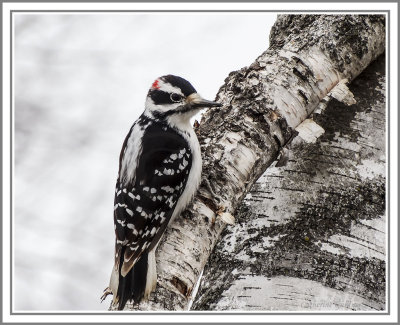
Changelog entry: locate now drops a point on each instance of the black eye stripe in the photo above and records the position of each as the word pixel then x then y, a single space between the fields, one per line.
pixel 160 97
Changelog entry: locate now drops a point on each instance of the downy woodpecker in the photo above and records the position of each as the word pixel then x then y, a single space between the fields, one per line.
pixel 159 173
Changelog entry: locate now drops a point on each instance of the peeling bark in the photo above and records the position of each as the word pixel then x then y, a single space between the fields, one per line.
pixel 262 105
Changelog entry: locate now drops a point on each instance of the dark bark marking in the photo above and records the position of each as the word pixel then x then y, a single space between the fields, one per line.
pixel 303 95
pixel 283 298
pixel 343 175
pixel 299 74
pixel 180 285
pixel 291 189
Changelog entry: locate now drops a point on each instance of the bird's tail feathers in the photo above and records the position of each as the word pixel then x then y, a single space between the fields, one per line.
pixel 138 283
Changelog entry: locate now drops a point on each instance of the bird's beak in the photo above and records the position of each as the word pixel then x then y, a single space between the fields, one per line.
pixel 196 101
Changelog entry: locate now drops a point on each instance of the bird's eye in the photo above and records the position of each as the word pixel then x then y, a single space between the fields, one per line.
pixel 176 97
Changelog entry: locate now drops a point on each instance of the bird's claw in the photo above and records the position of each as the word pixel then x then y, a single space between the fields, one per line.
pixel 107 291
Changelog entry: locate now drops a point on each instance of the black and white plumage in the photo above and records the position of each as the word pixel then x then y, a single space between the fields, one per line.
pixel 159 172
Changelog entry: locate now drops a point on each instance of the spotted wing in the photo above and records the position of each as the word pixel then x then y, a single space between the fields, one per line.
pixel 144 206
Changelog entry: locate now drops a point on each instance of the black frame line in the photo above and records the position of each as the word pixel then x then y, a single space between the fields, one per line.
pixel 387 12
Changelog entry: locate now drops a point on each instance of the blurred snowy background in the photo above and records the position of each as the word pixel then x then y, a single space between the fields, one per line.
pixel 80 82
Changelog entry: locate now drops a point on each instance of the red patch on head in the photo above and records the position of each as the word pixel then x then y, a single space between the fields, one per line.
pixel 155 85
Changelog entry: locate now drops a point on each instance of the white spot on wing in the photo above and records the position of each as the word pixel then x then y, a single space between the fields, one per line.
pixel 120 205
pixel 121 222
pixel 167 189
pixel 131 226
pixel 133 248
pixel 167 171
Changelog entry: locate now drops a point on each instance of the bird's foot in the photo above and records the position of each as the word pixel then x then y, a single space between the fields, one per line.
pixel 107 291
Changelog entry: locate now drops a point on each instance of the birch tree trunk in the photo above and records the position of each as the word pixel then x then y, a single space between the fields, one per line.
pixel 262 105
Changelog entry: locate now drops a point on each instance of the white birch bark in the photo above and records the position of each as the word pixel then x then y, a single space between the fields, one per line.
pixel 262 105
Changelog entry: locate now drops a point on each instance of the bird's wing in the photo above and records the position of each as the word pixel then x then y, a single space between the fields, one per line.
pixel 143 207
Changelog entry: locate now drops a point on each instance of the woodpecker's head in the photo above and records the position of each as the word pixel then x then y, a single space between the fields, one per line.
pixel 174 98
